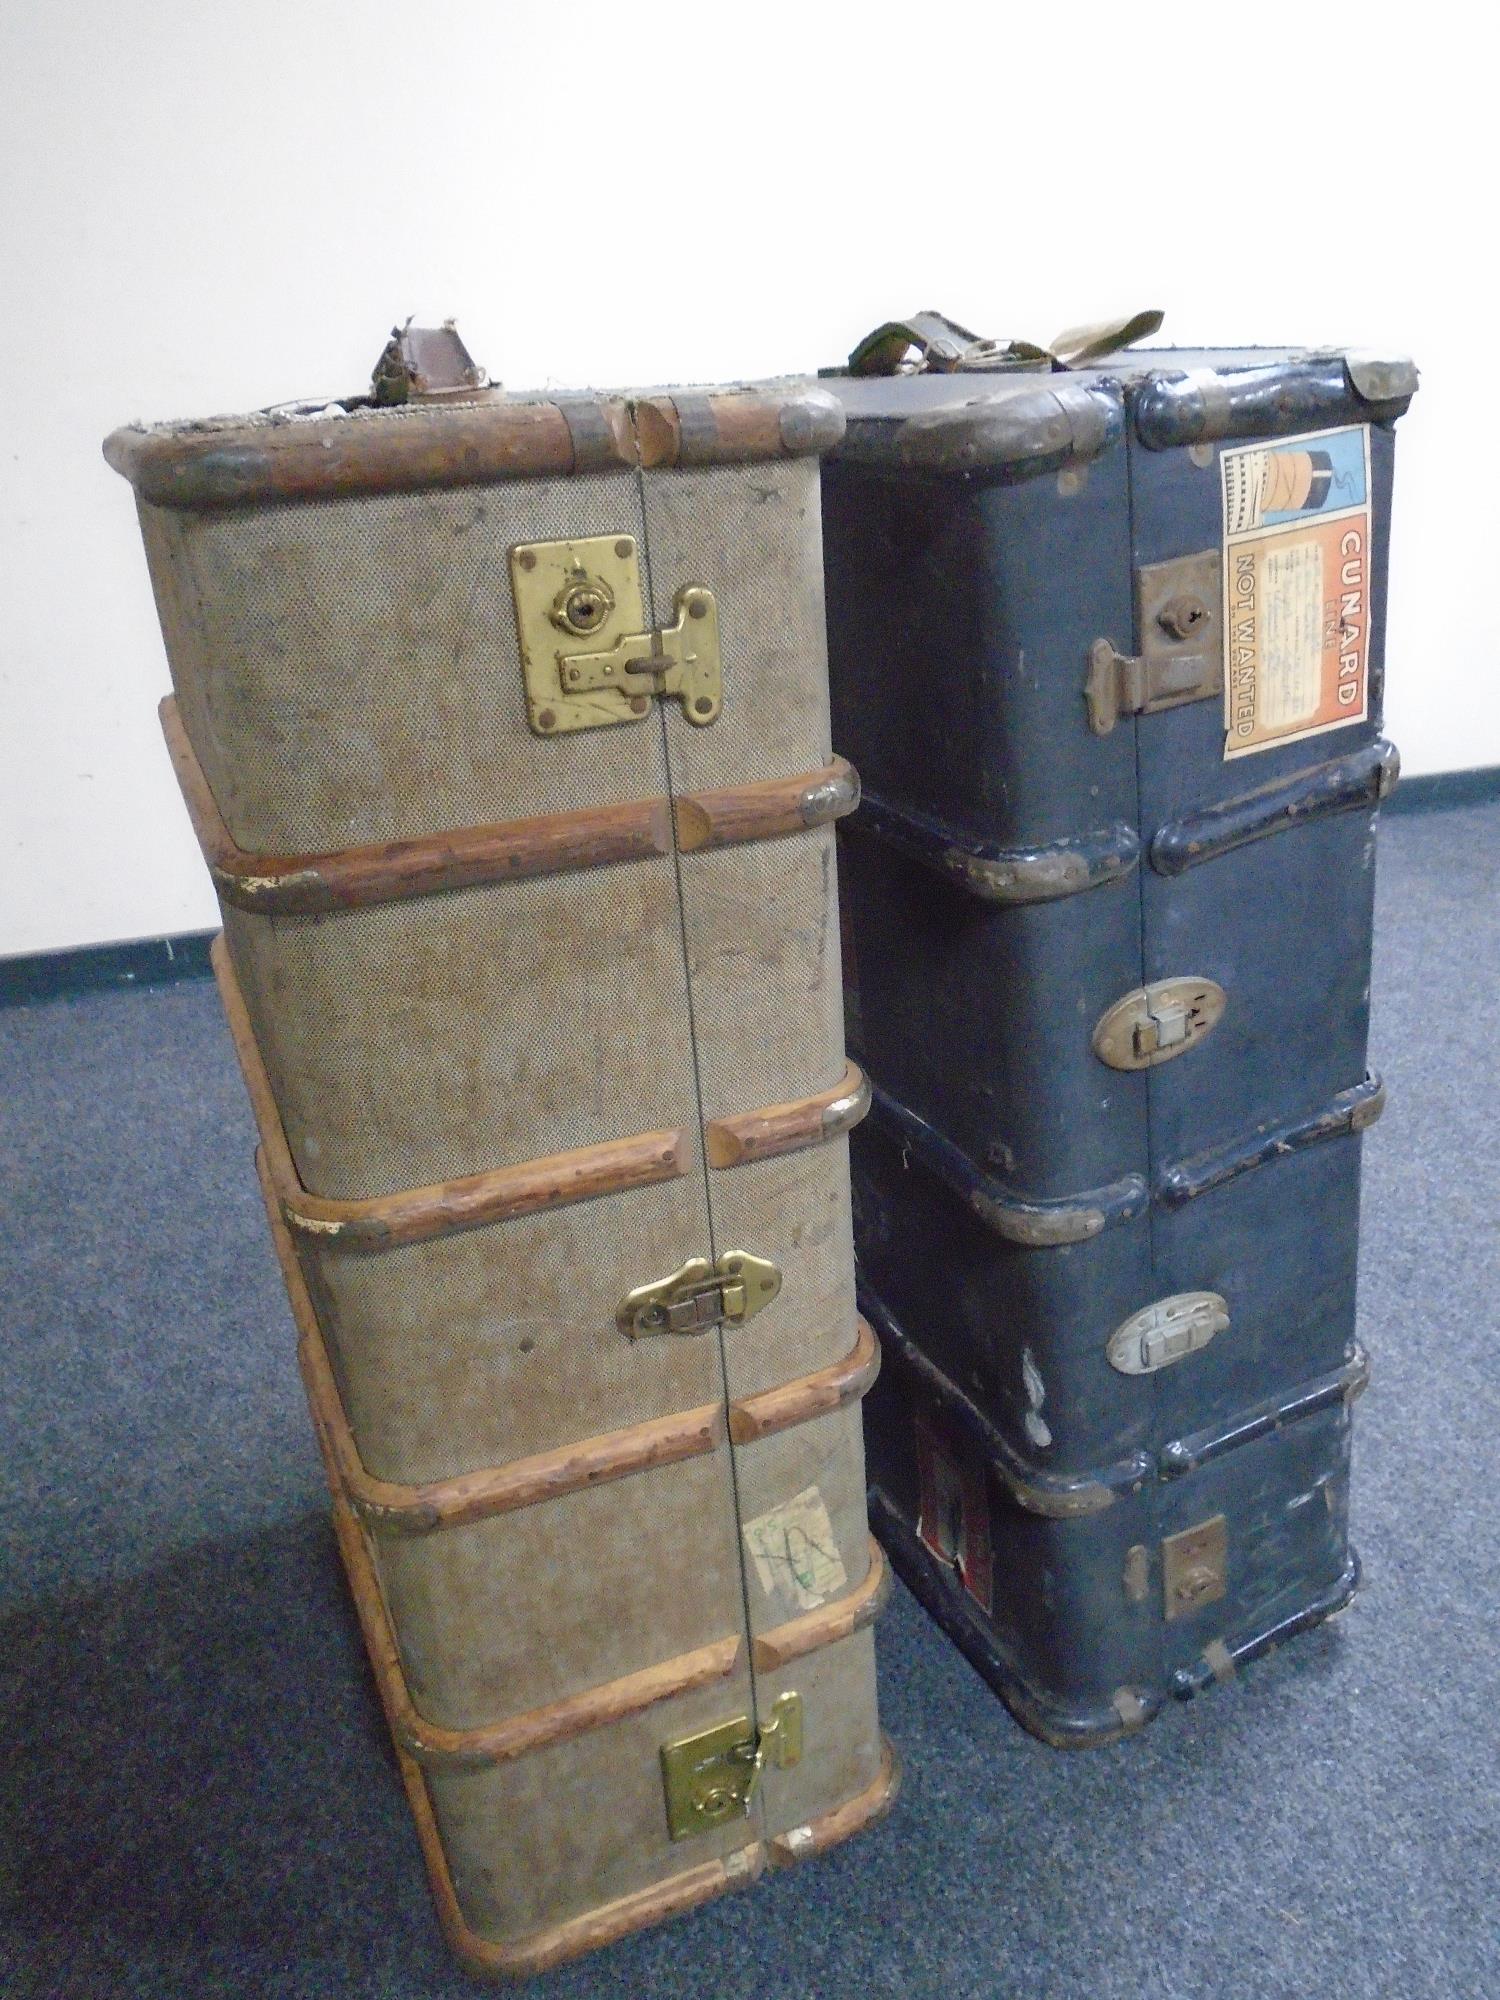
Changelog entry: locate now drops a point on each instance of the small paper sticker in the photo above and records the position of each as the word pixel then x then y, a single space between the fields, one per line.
pixel 954 1517
pixel 795 1553
pixel 1296 588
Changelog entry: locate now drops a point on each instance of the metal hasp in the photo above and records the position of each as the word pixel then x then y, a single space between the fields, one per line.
pixel 1156 1022
pixel 587 655
pixel 1180 622
pixel 701 1295
pixel 1194 1567
pixel 711 1777
pixel 1166 1331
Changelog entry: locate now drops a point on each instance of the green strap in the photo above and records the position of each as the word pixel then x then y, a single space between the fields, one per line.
pixel 943 346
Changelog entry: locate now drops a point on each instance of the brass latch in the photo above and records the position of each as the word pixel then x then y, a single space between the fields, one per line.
pixel 701 1295
pixel 1182 645
pixel 1195 1567
pixel 713 1776
pixel 1154 1023
pixel 1166 1331
pixel 587 655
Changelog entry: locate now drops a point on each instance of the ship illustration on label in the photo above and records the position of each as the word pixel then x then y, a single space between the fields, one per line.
pixel 1271 485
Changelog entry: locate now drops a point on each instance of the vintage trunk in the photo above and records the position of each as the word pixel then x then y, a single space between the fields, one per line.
pixel 1109 901
pixel 503 725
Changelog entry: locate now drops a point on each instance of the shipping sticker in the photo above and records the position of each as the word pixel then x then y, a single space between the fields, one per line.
pixel 1296 588
pixel 954 1517
pixel 795 1553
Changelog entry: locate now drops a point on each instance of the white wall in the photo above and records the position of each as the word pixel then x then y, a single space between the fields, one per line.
pixel 211 207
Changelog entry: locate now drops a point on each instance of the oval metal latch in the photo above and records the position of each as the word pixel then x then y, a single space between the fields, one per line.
pixel 1166 1331
pixel 1157 1022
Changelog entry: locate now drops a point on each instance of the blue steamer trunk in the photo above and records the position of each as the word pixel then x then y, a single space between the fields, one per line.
pixel 1109 940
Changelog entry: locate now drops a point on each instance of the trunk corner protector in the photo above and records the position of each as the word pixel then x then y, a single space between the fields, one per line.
pixel 1028 1223
pixel 1122 1714
pixel 1221 1659
pixel 1351 1112
pixel 999 875
pixel 1055 1495
pixel 1341 1385
pixel 1343 784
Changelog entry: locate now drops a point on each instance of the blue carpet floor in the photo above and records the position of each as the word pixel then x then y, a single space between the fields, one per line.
pixel 195 1796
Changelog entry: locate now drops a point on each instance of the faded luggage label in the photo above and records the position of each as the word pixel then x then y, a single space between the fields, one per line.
pixel 796 1553
pixel 1296 588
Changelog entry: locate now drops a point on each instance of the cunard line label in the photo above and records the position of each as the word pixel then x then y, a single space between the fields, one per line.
pixel 1296 588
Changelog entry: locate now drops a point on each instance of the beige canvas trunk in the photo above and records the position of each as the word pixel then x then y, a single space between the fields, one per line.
pixel 536 1017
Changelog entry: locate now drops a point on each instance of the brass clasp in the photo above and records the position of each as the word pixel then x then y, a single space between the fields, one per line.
pixel 588 657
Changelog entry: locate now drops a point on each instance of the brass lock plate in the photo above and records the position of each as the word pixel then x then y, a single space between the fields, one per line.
pixel 700 1295
pixel 1167 1330
pixel 1157 1022
pixel 1179 616
pixel 1194 1567
pixel 711 1777
pixel 588 658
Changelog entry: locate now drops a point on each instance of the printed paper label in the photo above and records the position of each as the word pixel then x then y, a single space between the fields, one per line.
pixel 1296 588
pixel 795 1554
pixel 954 1521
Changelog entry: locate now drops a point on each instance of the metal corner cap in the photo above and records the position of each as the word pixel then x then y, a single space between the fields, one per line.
pixel 1068 421
pixel 1381 378
pixel 812 422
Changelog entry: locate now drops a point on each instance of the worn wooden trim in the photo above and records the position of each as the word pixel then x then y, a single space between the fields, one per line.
pixel 558 1942
pixel 769 810
pixel 389 1506
pixel 494 1743
pixel 414 1215
pixel 260 461
pixel 354 878
pixel 785 1128
pixel 646 1907
pixel 735 426
pixel 515 850
pixel 864 1809
pixel 755 1417
pixel 828 1623
pixel 476 440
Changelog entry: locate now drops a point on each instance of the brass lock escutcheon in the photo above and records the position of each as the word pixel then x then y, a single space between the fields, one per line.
pixel 1180 620
pixel 700 1295
pixel 1195 1567
pixel 1168 1330
pixel 588 657
pixel 712 1777
pixel 1154 1023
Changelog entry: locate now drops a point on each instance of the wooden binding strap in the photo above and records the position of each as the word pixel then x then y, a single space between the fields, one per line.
pixel 829 1623
pixel 558 1721
pixel 770 810
pixel 391 1507
pixel 864 1809
pixel 473 439
pixel 395 1508
pixel 784 1128
pixel 354 878
pixel 559 1942
pixel 754 1417
pixel 384 1222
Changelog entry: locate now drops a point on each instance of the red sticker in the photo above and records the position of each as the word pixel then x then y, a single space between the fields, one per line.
pixel 954 1521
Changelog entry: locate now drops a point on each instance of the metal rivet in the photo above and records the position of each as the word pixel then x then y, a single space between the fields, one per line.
pixel 638 704
pixel 623 547
pixel 697 608
pixel 526 559
pixel 703 705
pixel 546 720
